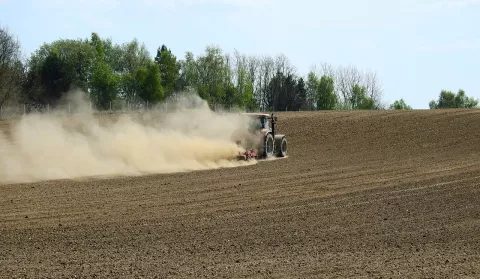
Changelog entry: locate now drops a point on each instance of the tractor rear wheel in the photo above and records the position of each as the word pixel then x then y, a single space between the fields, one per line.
pixel 282 148
pixel 268 146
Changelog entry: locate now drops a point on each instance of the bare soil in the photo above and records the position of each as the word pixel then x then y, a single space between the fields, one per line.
pixel 376 194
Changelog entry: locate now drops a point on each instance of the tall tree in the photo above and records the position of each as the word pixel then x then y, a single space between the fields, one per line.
pixel 104 86
pixel 265 74
pixel 347 79
pixel 113 55
pixel 274 89
pixel 11 67
pixel 169 69
pixel 188 76
pixel 286 97
pixel 104 83
pixel 326 98
pixel 359 98
pixel 150 83
pixel 134 55
pixel 243 73
pixel 373 88
pixel 212 72
pixel 54 77
pixel 300 99
pixel 462 101
pixel 285 92
pixel 311 90
pixel 251 102
pixel 58 67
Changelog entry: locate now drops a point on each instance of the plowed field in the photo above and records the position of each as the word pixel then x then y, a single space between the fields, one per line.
pixel 374 194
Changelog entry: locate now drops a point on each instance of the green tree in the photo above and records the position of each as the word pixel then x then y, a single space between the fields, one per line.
pixel 243 76
pixel 113 55
pixel 400 105
pixel 249 98
pixel 188 75
pixel 133 56
pixel 286 98
pixel 359 98
pixel 462 101
pixel 56 68
pixel 11 68
pixel 285 92
pixel 242 79
pixel 312 87
pixel 264 88
pixel 300 97
pixel 104 83
pixel 169 69
pixel 129 86
pixel 54 77
pixel 230 96
pixel 326 98
pixel 273 92
pixel 448 99
pixel 150 83
pixel 97 44
pixel 212 75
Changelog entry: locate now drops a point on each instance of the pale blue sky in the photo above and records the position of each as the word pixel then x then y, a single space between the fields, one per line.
pixel 416 47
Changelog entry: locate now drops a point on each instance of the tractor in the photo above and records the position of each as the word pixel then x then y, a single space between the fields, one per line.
pixel 262 141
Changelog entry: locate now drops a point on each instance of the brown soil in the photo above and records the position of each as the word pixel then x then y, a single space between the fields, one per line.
pixel 362 194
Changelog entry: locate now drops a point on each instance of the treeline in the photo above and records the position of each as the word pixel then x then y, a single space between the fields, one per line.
pixel 128 73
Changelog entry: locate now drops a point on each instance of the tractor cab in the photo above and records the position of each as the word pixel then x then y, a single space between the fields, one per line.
pixel 262 122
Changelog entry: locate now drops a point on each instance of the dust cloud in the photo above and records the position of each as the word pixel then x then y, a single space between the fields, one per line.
pixel 79 143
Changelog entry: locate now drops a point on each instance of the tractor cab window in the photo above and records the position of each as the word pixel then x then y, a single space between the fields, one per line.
pixel 265 123
pixel 259 123
pixel 255 124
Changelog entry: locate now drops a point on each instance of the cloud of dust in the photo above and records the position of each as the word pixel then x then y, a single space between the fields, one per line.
pixel 78 143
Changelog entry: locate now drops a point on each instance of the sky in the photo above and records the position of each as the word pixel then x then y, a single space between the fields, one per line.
pixel 416 47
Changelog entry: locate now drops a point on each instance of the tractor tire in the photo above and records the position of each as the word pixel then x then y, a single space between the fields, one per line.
pixel 268 146
pixel 282 147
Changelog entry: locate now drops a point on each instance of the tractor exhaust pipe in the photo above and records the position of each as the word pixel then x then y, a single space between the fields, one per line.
pixel 274 118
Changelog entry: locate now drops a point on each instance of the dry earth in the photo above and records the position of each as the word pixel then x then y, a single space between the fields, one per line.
pixel 375 194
